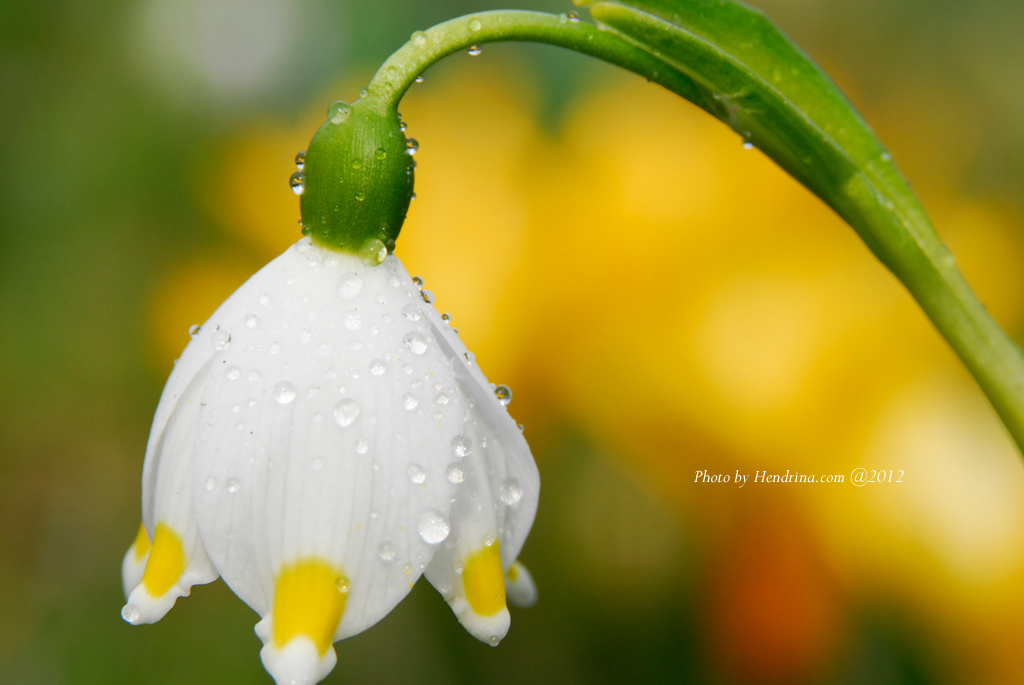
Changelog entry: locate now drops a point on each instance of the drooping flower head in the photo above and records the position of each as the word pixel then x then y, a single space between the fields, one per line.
pixel 325 439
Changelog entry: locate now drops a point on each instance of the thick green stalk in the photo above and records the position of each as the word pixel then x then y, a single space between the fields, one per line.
pixel 795 116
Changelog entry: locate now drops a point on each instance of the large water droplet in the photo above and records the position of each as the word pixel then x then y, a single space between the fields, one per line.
pixel 412 146
pixel 284 392
pixel 298 182
pixel 462 446
pixel 455 473
pixel 381 153
pixel 386 551
pixel 409 401
pixel 419 38
pixel 418 280
pixel 345 412
pixel 433 527
pixel 349 286
pixel 300 160
pixel 511 492
pixel 373 252
pixel 416 342
pixel 193 330
pixel 427 296
pixel 573 18
pixel 338 111
pixel 504 394
pixel 221 340
pixel 474 50
pixel 416 474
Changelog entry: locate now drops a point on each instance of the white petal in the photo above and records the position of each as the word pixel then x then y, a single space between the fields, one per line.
pixel 512 472
pixel 498 499
pixel 519 586
pixel 313 449
pixel 177 559
pixel 467 570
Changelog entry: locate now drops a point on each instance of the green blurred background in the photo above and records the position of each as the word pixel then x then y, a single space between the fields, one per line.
pixel 145 148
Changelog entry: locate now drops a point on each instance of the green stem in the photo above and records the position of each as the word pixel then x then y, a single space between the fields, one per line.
pixel 876 203
pixel 425 48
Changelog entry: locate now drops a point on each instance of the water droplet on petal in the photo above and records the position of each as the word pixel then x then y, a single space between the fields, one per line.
pixel 418 280
pixel 419 38
pixel 475 24
pixel 433 527
pixel 747 145
pixel 233 485
pixel 300 160
pixel 381 153
pixel 455 473
pixel 193 330
pixel 409 401
pixel 416 342
pixel 412 312
pixel 474 50
pixel 504 394
pixel 349 286
pixel 221 340
pixel 446 317
pixel 442 399
pixel 378 367
pixel 284 392
pixel 297 182
pixel 131 614
pixel 412 146
pixel 341 584
pixel 232 372
pixel 416 474
pixel 418 79
pixel 362 446
pixel 345 412
pixel 386 551
pixel 210 484
pixel 462 446
pixel 317 464
pixel 427 296
pixel 511 492
pixel 351 320
pixel 573 18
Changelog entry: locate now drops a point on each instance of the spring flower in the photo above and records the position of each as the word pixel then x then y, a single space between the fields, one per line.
pixel 324 439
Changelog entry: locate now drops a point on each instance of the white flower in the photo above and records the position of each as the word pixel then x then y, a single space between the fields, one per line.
pixel 323 440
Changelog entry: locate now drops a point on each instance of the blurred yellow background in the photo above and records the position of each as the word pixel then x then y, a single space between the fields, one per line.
pixel 661 301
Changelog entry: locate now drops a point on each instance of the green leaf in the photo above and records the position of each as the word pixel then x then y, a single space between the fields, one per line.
pixel 739 67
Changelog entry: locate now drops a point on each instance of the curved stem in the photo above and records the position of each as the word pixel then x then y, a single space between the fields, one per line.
pixel 875 201
pixel 425 48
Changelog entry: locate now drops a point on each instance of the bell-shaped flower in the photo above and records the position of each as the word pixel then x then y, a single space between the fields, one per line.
pixel 324 439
